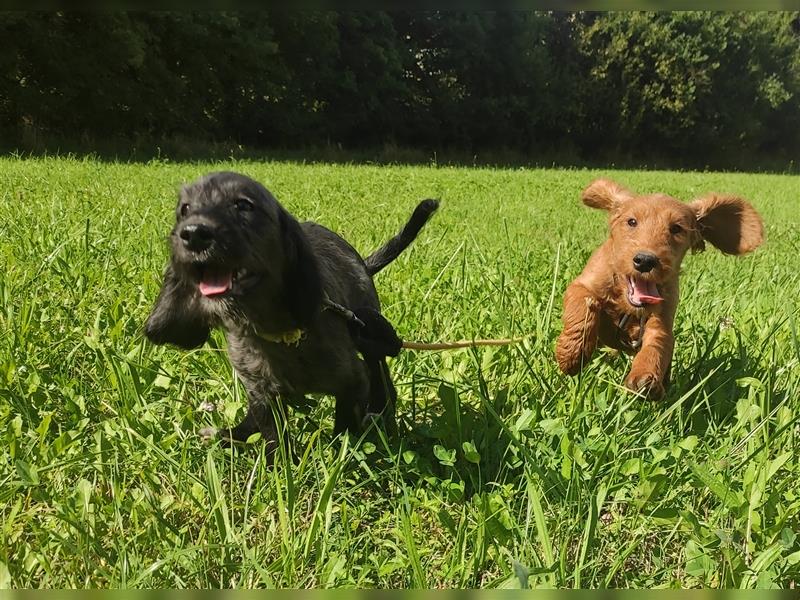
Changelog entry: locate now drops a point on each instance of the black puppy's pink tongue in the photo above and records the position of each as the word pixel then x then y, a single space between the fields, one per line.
pixel 645 291
pixel 215 282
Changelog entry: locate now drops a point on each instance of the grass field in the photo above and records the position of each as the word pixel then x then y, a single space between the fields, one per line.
pixel 504 473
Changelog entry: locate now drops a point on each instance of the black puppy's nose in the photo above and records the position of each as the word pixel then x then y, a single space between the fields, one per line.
pixel 196 236
pixel 644 262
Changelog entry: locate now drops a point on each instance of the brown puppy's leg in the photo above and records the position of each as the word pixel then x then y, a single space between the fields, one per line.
pixel 578 340
pixel 652 364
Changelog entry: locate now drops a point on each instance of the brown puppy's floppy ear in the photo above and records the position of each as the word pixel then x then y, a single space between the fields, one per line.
pixel 729 223
pixel 302 283
pixel 176 317
pixel 605 194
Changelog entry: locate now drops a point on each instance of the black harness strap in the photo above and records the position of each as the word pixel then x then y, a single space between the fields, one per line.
pixel 374 336
pixel 623 323
pixel 348 314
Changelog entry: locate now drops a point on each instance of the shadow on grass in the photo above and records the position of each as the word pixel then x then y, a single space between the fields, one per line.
pixel 140 150
pixel 722 390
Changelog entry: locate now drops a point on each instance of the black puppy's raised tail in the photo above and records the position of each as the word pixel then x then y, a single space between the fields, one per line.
pixel 392 249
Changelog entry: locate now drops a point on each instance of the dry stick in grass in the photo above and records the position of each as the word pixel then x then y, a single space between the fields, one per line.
pixel 377 336
pixel 461 344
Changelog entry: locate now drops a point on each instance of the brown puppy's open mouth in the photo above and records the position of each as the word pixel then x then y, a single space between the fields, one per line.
pixel 642 291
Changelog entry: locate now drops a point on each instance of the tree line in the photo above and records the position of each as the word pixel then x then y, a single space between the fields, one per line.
pixel 707 87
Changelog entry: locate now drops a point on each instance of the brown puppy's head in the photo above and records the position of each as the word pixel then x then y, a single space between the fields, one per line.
pixel 651 233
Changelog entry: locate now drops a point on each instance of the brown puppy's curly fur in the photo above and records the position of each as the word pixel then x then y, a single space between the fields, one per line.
pixel 631 281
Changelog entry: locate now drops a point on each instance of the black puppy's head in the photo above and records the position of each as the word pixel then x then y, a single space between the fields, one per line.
pixel 232 243
pixel 227 235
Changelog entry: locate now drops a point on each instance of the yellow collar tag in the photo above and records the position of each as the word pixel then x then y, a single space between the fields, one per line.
pixel 290 338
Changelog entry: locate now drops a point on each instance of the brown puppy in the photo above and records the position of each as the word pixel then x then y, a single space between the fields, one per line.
pixel 626 296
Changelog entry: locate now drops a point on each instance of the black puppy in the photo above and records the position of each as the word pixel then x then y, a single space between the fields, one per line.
pixel 282 292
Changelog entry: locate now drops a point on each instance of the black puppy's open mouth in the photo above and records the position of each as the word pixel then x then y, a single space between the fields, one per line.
pixel 217 282
pixel 214 282
pixel 642 291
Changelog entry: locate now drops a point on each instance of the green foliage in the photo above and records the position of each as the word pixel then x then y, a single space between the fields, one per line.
pixel 131 73
pixel 505 473
pixel 695 82
pixel 700 88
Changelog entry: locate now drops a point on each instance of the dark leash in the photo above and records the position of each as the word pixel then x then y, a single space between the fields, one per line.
pixel 623 323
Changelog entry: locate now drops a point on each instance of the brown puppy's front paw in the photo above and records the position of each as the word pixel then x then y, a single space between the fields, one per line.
pixel 570 357
pixel 646 384
pixel 568 365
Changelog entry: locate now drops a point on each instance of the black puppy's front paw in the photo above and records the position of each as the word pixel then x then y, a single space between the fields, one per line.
pixel 383 420
pixel 225 437
pixel 209 434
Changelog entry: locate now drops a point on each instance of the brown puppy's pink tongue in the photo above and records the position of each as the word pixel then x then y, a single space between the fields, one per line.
pixel 645 292
pixel 214 282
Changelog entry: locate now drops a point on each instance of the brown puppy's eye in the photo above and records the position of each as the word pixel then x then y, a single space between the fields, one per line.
pixel 632 223
pixel 675 229
pixel 243 204
pixel 184 209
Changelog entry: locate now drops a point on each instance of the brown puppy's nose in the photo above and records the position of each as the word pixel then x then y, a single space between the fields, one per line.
pixel 644 262
pixel 196 236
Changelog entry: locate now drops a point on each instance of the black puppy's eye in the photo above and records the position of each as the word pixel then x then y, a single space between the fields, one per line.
pixel 675 229
pixel 243 204
pixel 632 223
pixel 184 209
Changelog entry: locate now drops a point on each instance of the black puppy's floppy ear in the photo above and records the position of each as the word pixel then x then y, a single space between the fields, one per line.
pixel 605 194
pixel 729 223
pixel 176 317
pixel 301 279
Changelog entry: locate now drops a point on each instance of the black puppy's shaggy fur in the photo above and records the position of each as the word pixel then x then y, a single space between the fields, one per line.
pixel 242 263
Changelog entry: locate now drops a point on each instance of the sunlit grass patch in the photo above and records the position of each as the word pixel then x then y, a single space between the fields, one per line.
pixel 504 471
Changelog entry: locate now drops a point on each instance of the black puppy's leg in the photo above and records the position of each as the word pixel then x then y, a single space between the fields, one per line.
pixel 259 418
pixel 382 394
pixel 351 405
pixel 263 403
